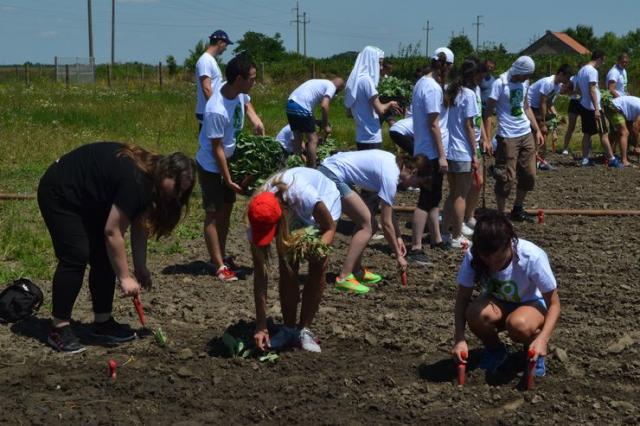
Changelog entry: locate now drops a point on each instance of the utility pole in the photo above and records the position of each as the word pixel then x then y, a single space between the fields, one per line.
pixel 426 29
pixel 297 21
pixel 305 21
pixel 113 31
pixel 477 24
pixel 90 22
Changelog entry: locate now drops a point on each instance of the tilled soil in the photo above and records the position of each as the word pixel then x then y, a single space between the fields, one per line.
pixel 385 355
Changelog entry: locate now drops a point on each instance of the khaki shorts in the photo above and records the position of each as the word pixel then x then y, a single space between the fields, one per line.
pixel 515 157
pixel 215 192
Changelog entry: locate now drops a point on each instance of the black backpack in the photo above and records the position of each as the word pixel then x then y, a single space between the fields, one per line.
pixel 20 300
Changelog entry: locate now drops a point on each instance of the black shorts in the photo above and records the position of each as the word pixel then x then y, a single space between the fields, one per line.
pixel 430 197
pixel 591 126
pixel 302 123
pixel 574 107
pixel 215 192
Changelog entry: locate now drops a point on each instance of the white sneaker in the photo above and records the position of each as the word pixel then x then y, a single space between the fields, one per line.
pixel 413 188
pixel 584 162
pixel 377 236
pixel 285 337
pixel 565 152
pixel 471 223
pixel 460 242
pixel 467 231
pixel 308 341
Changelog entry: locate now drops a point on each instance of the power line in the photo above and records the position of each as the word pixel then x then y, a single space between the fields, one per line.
pixel 426 29
pixel 477 24
pixel 90 24
pixel 113 31
pixel 305 21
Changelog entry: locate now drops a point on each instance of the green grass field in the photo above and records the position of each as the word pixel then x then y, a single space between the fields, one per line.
pixel 41 122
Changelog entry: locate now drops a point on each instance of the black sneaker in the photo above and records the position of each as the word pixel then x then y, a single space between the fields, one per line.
pixel 113 331
pixel 62 339
pixel 519 215
pixel 442 245
pixel 417 257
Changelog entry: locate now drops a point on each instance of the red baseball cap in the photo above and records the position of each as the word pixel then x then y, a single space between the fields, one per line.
pixel 264 213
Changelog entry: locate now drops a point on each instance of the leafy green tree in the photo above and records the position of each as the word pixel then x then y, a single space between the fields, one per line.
pixel 461 46
pixel 583 34
pixel 194 55
pixel 261 47
pixel 172 65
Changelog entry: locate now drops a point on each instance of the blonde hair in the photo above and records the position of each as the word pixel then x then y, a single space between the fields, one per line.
pixel 283 235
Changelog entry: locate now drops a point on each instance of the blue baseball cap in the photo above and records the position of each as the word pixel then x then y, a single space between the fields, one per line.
pixel 220 35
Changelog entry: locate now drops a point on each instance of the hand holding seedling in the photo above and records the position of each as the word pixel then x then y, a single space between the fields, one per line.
pixel 261 338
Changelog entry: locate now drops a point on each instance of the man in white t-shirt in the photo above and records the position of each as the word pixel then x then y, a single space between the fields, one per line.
pixel 617 76
pixel 541 97
pixel 300 105
pixel 208 75
pixel 593 123
pixel 223 119
pixel 516 150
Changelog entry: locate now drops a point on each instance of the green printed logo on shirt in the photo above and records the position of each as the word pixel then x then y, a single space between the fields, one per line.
pixel 503 290
pixel 237 120
pixel 516 99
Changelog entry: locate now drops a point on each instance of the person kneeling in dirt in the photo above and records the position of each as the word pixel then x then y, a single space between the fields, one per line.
pixel 298 197
pixel 88 199
pixel 378 172
pixel 519 293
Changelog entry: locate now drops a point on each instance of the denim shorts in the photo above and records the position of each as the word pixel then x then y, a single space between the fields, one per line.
pixel 459 166
pixel 508 307
pixel 343 188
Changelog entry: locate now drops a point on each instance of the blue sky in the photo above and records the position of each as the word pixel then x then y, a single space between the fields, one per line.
pixel 148 30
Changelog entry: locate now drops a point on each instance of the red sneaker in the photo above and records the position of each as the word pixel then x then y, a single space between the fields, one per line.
pixel 225 274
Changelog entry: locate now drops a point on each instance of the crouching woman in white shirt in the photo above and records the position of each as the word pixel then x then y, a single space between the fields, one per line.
pixel 519 294
pixel 377 172
pixel 300 196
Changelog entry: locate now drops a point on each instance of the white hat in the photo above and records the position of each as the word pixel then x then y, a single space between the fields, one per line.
pixel 524 65
pixel 447 52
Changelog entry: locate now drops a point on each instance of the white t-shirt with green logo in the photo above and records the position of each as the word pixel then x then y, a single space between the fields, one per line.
pixel 510 97
pixel 223 118
pixel 525 279
pixel 545 86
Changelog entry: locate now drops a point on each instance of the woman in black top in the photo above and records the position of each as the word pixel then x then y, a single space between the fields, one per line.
pixel 88 199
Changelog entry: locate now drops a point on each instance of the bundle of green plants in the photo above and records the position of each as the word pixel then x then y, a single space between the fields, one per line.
pixel 256 158
pixel 305 244
pixel 396 89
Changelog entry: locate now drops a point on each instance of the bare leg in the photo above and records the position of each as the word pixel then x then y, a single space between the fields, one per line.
pixel 604 140
pixel 289 293
pixel 222 224
pixel 586 145
pixel 571 126
pixel 312 293
pixel 433 223
pixel 418 223
pixel 357 211
pixel 483 317
pixel 211 239
pixel 459 184
pixel 312 147
pixel 524 324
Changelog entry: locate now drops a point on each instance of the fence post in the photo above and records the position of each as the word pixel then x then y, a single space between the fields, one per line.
pixel 160 74
pixel 26 74
pixel 109 75
pixel 66 75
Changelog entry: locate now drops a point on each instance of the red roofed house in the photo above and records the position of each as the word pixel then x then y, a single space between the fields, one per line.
pixel 553 43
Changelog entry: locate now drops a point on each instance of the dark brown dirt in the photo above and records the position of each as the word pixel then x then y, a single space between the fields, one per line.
pixel 385 355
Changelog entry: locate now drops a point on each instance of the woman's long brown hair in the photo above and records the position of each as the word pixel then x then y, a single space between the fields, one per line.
pixel 493 232
pixel 164 213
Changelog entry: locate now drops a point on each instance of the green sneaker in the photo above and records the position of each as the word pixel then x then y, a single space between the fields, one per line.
pixel 351 285
pixel 367 277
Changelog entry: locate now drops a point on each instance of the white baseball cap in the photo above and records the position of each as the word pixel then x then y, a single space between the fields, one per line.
pixel 447 52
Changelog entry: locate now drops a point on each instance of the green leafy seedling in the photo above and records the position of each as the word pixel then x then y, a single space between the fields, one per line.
pixel 160 337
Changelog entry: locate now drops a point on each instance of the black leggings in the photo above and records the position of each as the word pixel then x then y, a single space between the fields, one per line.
pixel 78 239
